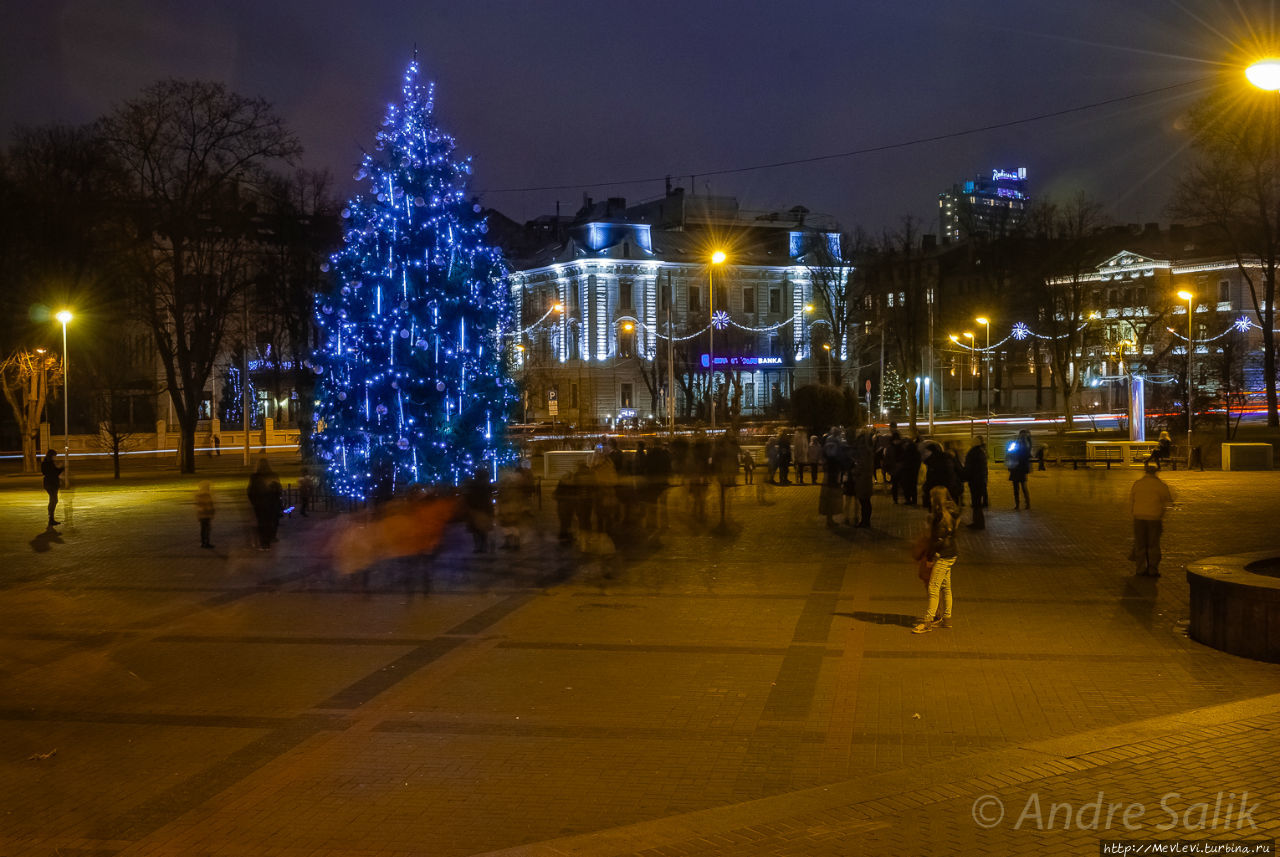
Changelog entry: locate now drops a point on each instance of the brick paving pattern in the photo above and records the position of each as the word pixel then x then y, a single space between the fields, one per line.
pixel 749 691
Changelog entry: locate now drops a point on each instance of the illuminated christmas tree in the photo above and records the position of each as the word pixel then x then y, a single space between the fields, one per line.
pixel 413 387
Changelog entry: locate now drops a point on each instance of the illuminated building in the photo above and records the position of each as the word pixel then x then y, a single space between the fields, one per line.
pixel 984 207
pixel 620 297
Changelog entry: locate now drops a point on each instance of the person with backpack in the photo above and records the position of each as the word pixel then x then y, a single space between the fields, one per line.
pixel 1018 459
pixel 941 552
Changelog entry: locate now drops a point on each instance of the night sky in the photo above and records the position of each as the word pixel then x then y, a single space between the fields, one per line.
pixel 586 93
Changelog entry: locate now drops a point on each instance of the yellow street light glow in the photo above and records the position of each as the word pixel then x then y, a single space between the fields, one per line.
pixel 982 320
pixel 826 346
pixel 1185 295
pixel 628 326
pixel 1265 74
pixel 1093 315
pixel 968 335
pixel 519 348
pixel 717 257
pixel 64 316
pixel 955 338
pixel 808 307
pixel 559 307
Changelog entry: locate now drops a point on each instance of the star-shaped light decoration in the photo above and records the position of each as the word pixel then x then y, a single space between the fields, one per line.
pixel 1020 331
pixel 720 319
pixel 1242 324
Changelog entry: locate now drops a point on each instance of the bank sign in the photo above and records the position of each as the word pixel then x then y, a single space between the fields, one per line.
pixel 729 361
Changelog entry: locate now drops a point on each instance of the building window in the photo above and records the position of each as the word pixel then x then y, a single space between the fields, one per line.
pixel 664 297
pixel 1140 296
pixel 695 299
pixel 749 394
pixel 624 397
pixel 775 301
pixel 1224 291
pixel 627 341
pixel 574 298
pixel 624 295
pixel 749 300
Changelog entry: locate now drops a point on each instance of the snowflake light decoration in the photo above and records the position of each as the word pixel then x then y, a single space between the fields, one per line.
pixel 720 319
pixel 1020 331
pixel 1242 324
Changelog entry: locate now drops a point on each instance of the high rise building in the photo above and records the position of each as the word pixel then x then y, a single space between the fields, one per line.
pixel 984 207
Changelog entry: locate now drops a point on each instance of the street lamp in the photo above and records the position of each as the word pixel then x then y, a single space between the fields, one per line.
pixel 65 316
pixel 716 259
pixel 1265 74
pixel 1190 299
pixel 986 322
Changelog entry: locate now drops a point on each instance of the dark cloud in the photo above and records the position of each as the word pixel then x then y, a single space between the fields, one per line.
pixel 575 92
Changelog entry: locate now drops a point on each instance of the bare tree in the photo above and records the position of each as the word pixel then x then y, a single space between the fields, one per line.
pixel 195 155
pixel 1234 187
pixel 1066 235
pixel 26 376
pixel 901 276
pixel 836 298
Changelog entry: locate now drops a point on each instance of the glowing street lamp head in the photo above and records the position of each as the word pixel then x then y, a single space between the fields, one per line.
pixel 826 346
pixel 1265 74
pixel 628 326
pixel 559 307
pixel 955 338
pixel 1186 295
pixel 968 335
pixel 983 320
pixel 808 307
pixel 64 316
pixel 717 257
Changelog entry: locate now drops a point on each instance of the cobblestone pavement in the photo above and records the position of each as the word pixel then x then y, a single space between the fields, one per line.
pixel 752 689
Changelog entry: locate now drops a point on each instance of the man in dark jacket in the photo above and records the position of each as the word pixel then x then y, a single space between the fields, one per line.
pixel 975 473
pixel 52 476
pixel 907 476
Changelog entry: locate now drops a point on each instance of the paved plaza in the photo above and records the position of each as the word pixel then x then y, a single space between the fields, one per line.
pixel 749 691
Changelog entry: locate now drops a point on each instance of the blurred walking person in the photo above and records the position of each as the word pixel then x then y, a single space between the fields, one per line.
pixel 264 499
pixel 204 512
pixel 52 480
pixel 1149 499
pixel 1018 459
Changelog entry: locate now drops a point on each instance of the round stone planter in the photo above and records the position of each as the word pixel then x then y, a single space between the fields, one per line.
pixel 1235 604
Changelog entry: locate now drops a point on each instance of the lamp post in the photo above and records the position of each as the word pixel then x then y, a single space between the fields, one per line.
pixel 960 395
pixel 807 340
pixel 1191 350
pixel 716 259
pixel 986 322
pixel 65 316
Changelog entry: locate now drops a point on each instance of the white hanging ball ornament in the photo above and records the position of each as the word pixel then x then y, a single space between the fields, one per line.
pixel 440 386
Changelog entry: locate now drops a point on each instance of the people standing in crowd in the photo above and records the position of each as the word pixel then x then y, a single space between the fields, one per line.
pixel 892 456
pixel 862 477
pixel 52 474
pixel 204 512
pixel 477 500
pixel 942 553
pixel 814 457
pixel 1149 499
pixel 939 470
pixel 264 498
pixel 907 476
pixel 566 497
pixel 799 453
pixel 771 459
pixel 1018 460
pixel 975 472
pixel 784 459
pixel 957 467
pixel 833 457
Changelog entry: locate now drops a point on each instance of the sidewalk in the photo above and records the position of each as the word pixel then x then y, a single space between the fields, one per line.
pixel 235 702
